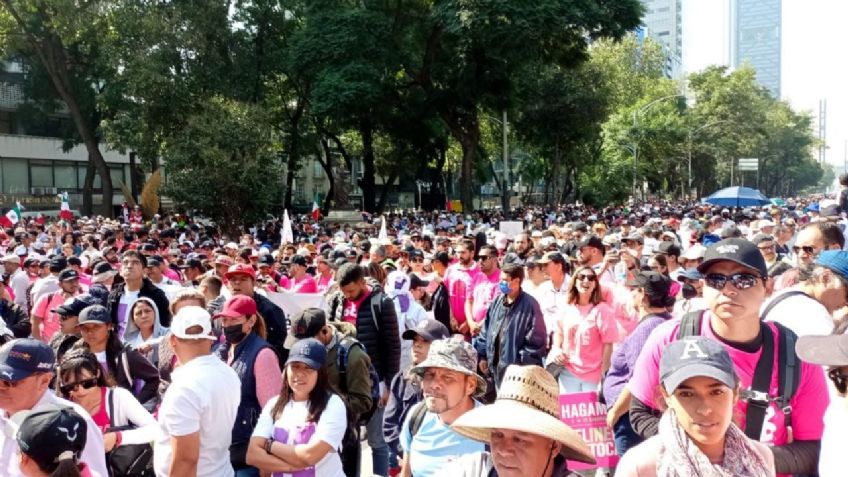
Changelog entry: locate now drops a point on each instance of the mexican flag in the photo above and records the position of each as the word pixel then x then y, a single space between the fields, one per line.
pixel 65 211
pixel 316 209
pixel 12 217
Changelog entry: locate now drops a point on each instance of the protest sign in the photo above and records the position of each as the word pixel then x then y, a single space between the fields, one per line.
pixel 511 228
pixel 588 417
pixel 292 303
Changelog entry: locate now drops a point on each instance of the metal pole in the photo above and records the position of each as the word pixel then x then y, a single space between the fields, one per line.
pixel 731 172
pixel 635 155
pixel 506 193
pixel 689 191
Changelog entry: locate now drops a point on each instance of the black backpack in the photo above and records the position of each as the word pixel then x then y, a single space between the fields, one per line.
pixel 344 346
pixel 789 371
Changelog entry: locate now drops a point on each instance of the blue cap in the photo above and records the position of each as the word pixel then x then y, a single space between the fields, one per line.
pixel 835 260
pixel 691 274
pixel 309 351
pixel 95 314
pixel 21 358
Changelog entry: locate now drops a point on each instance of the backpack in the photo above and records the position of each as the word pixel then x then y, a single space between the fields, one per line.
pixel 375 302
pixel 344 346
pixel 417 414
pixel 789 368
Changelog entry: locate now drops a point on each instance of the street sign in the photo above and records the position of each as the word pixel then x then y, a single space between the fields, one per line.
pixel 749 164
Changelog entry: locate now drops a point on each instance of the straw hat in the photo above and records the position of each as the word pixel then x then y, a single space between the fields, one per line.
pixel 528 401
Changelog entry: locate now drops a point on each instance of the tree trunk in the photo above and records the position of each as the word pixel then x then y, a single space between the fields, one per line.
pixel 366 130
pixel 327 164
pixel 88 185
pixel 384 194
pixel 294 151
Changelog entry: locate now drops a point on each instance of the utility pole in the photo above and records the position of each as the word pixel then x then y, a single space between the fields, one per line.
pixel 506 193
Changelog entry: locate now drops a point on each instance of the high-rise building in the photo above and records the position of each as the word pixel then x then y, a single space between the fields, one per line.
pixel 663 22
pixel 755 30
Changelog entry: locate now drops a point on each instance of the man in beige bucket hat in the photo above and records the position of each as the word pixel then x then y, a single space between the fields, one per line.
pixel 523 429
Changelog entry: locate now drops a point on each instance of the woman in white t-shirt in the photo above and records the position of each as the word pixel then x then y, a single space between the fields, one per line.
pixel 301 430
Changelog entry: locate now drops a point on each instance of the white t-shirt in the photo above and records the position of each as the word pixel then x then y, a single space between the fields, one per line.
pixel 128 299
pixel 832 455
pixel 292 428
pixel 801 314
pixel 204 396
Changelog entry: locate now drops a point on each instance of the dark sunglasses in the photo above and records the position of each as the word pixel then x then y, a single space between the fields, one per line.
pixel 481 258
pixel 839 380
pixel 585 277
pixel 809 250
pixel 741 281
pixel 417 260
pixel 85 383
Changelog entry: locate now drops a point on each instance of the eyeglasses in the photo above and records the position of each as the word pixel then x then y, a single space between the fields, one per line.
pixel 741 281
pixel 765 247
pixel 417 260
pixel 481 258
pixel 85 383
pixel 809 250
pixel 585 277
pixel 839 380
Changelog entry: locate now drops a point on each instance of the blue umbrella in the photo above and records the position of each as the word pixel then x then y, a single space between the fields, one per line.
pixel 737 197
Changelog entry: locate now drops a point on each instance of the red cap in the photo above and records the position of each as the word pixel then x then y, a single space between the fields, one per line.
pixel 238 305
pixel 241 269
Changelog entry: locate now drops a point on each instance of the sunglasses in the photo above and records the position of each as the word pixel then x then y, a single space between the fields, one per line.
pixel 741 281
pixel 85 383
pixel 585 277
pixel 839 380
pixel 417 260
pixel 809 250
pixel 481 258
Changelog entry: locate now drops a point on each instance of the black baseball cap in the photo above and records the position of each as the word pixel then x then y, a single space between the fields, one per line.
pixel 442 257
pixel 416 253
pixel 192 263
pixel 73 306
pixel 154 261
pixel 416 282
pixel 306 324
pixel 51 434
pixel 299 260
pixel 58 264
pixel 591 241
pixel 266 260
pixel 68 274
pixel 21 358
pixel 669 248
pixel 549 257
pixel 655 284
pixel 735 250
pixel 309 351
pixel 95 314
pixel 429 329
pixel 692 357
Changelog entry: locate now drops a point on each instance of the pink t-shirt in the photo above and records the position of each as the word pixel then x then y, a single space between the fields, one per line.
pixel 305 284
pixel 585 329
pixel 484 289
pixel 351 308
pixel 324 283
pixel 808 405
pixel 50 322
pixel 458 282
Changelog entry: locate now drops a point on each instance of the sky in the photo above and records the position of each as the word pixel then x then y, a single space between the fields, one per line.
pixel 814 65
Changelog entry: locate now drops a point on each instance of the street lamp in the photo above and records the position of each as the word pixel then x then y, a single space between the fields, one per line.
pixel 635 142
pixel 692 132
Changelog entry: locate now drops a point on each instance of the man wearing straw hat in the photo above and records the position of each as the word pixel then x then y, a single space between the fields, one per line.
pixel 450 384
pixel 523 429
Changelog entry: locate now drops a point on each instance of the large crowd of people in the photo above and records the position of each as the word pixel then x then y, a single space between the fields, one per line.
pixel 713 335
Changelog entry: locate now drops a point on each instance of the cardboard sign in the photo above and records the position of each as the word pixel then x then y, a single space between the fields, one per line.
pixel 588 417
pixel 511 228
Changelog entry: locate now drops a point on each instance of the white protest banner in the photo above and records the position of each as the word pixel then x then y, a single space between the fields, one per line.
pixel 292 303
pixel 511 228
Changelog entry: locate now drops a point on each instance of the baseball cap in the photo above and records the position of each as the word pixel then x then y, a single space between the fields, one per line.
pixel 299 260
pixel 825 350
pixel 154 261
pixel 429 329
pixel 73 306
pixel 240 269
pixel 655 284
pixel 310 352
pixel 549 257
pixel 305 324
pixel 690 274
pixel 238 305
pixel 68 274
pixel 695 252
pixel 44 436
pixel 634 237
pixel 760 238
pixel 669 248
pixel 735 250
pixel 416 253
pixel 95 314
pixel 835 260
pixel 20 250
pixel 266 260
pixel 58 264
pixel 223 260
pixel 192 263
pixel 21 358
pixel 416 282
pixel 695 356
pixel 590 241
pixel 11 259
pixel 189 317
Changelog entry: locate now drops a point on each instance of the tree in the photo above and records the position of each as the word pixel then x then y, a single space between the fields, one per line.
pixel 224 164
pixel 66 39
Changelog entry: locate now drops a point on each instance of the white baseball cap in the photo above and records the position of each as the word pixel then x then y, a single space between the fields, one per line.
pixel 10 259
pixel 188 317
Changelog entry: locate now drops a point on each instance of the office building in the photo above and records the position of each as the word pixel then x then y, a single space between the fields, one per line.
pixel 663 22
pixel 755 35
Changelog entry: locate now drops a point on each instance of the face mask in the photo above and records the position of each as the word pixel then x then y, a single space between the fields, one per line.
pixel 234 333
pixel 504 286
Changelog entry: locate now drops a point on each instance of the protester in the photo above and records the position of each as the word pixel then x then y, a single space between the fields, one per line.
pixel 441 299
pixel 242 279
pixel 45 321
pixel 450 386
pixel 17 280
pixel 199 408
pixel 651 298
pixel 69 332
pixel 13 315
pixel 136 285
pixel 145 331
pixel 522 429
pixel 458 279
pixel 300 429
pixel 255 363
pixel 484 288
pixel 697 435
pixel 408 311
pixel 514 330
pixel 26 370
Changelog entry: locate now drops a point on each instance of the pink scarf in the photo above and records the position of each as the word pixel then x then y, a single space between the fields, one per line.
pixel 680 457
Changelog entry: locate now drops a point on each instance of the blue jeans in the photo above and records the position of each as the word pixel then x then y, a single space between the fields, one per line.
pixel 625 436
pixel 247 472
pixel 377 442
pixel 569 383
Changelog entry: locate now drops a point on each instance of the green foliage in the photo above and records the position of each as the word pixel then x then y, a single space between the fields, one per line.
pixel 223 163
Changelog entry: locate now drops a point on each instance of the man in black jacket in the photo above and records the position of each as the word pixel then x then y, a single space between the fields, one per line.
pixel 242 279
pixel 373 313
pixel 124 295
pixel 13 315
